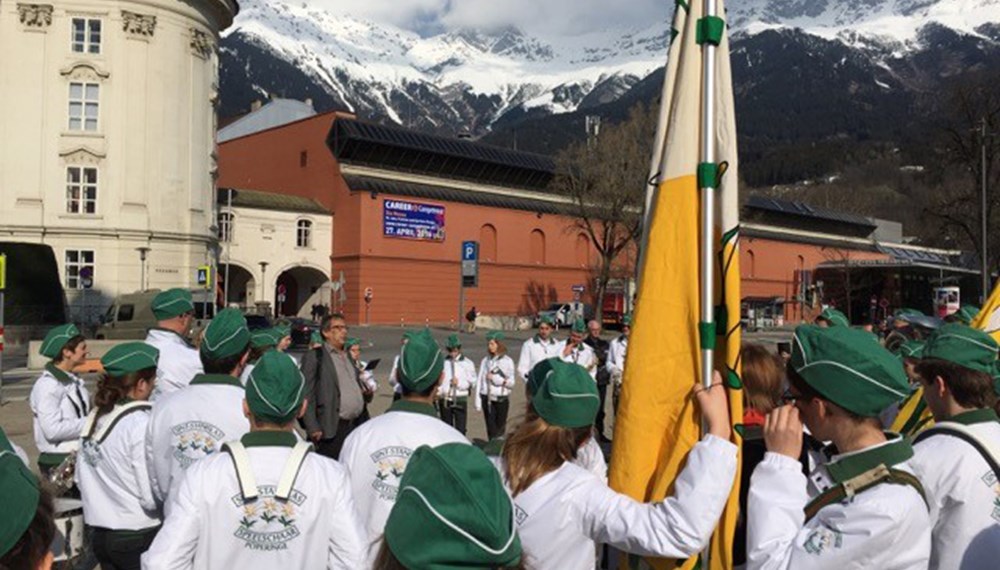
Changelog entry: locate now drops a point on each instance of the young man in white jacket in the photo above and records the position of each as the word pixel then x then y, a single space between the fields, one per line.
pixel 266 501
pixel 459 378
pixel 376 453
pixel 537 348
pixel 179 362
pixel 575 351
pixel 616 360
pixel 871 512
pixel 193 423
pixel 957 459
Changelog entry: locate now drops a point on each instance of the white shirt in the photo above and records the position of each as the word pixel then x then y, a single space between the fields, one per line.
pixel 533 351
pixel 495 379
pixel 566 512
pixel 112 476
pixel 582 354
pixel 60 408
pixel 210 527
pixel 397 388
pixel 616 358
pixel 964 497
pixel 465 371
pixel 885 527
pixel 188 425
pixel 179 362
pixel 376 454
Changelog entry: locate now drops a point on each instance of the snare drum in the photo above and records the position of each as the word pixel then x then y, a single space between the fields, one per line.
pixel 68 542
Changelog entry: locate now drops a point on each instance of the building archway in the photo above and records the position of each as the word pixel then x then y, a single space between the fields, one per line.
pixel 242 285
pixel 303 288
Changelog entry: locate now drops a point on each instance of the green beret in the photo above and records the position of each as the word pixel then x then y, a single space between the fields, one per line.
pixel 844 366
pixel 579 326
pixel 452 512
pixel 453 342
pixel 834 317
pixel 19 489
pixel 538 373
pixel 128 358
pixel 420 362
pixel 566 396
pixel 965 346
pixel 352 341
pixel 56 339
pixel 275 388
pixel 494 335
pixel 315 338
pixel 263 338
pixel 910 349
pixel 627 320
pixel 172 303
pixel 281 331
pixel 227 335
pixel 965 314
pixel 546 320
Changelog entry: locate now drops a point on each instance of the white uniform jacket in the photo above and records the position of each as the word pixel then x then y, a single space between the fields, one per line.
pixel 591 458
pixel 367 377
pixel 376 454
pixel 616 358
pixel 111 471
pixel 964 495
pixel 211 527
pixel 179 361
pixel 495 379
pixel 582 354
pixel 533 351
pixel 190 424
pixel 397 388
pixel 565 513
pixel 465 371
pixel 60 404
pixel 885 527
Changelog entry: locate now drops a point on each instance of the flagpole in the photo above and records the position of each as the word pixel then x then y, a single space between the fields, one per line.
pixel 707 202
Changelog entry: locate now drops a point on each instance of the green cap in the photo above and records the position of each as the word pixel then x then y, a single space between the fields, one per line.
pixel 281 331
pixel 494 335
pixel 172 303
pixel 352 341
pixel 627 320
pixel 56 339
pixel 965 346
pixel 904 314
pixel 834 317
pixel 226 335
pixel 128 358
pixel 538 373
pixel 910 349
pixel 579 326
pixel 453 342
pixel 420 362
pixel 19 489
pixel 275 388
pixel 964 314
pixel 315 338
pixel 546 320
pixel 566 395
pixel 263 338
pixel 452 512
pixel 844 366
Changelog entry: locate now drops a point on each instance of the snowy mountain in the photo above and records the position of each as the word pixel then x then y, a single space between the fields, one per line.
pixel 485 80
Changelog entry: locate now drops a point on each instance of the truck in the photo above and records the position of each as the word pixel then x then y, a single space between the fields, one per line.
pixel 563 314
pixel 131 314
pixel 613 309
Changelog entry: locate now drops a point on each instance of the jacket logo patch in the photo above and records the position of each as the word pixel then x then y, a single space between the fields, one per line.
pixel 390 463
pixel 990 479
pixel 194 440
pixel 91 452
pixel 823 539
pixel 520 515
pixel 268 523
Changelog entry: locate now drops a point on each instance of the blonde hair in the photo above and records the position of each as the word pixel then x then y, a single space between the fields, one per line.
pixel 763 378
pixel 536 447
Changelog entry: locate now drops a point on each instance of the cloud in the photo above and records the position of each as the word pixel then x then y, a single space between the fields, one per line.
pixel 546 18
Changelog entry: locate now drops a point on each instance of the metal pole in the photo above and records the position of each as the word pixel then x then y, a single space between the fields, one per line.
pixel 707 195
pixel 985 260
pixel 461 299
pixel 229 245
pixel 3 340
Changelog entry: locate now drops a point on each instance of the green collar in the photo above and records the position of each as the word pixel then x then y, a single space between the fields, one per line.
pixel 413 408
pixel 59 373
pixel 893 452
pixel 539 340
pixel 182 338
pixel 980 416
pixel 220 379
pixel 269 439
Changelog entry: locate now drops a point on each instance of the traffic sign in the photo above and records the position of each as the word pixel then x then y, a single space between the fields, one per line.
pixel 86 277
pixel 204 277
pixel 470 264
pixel 3 271
pixel 470 251
pixel 579 288
pixel 282 290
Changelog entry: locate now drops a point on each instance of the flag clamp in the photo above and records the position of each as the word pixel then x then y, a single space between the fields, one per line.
pixel 708 175
pixel 706 333
pixel 710 29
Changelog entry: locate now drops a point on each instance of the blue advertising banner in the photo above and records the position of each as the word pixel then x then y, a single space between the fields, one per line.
pixel 412 220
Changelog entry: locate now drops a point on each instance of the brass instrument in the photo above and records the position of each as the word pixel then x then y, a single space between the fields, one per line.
pixel 62 477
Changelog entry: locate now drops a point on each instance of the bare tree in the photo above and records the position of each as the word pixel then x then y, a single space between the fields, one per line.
pixel 605 177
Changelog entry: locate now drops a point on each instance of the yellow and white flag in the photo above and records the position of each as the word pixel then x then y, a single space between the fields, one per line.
pixel 988 318
pixel 657 424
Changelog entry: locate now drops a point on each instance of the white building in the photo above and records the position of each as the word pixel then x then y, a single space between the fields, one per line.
pixel 277 248
pixel 107 138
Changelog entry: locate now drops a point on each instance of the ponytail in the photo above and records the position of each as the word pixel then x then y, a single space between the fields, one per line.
pixel 114 389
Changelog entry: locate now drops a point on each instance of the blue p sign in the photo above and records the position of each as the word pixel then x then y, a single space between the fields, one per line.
pixel 470 251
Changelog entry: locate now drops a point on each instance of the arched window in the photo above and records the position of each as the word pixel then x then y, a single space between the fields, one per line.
pixel 303 233
pixel 751 262
pixel 226 220
pixel 582 250
pixel 537 247
pixel 488 243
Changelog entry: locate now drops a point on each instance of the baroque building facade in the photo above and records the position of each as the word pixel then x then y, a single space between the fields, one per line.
pixel 107 139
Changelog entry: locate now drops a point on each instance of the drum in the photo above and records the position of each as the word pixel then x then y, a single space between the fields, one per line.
pixel 68 543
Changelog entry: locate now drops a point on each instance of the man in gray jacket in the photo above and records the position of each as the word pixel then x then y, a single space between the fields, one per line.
pixel 336 401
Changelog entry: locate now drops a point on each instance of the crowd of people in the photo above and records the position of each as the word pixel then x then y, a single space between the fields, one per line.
pixel 191 456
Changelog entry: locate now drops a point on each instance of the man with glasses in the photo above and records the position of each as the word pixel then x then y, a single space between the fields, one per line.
pixel 336 401
pixel 179 361
pixel 537 348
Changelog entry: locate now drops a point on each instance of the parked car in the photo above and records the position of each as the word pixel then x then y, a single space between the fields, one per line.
pixel 302 329
pixel 563 314
pixel 256 322
pixel 131 315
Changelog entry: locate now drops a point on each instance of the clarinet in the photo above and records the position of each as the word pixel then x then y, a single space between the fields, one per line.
pixel 453 388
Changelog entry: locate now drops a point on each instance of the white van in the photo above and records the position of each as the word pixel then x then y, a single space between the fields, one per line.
pixel 131 315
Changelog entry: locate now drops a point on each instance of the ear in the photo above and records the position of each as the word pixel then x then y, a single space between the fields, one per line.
pixel 246 356
pixel 940 387
pixel 302 410
pixel 822 408
pixel 246 410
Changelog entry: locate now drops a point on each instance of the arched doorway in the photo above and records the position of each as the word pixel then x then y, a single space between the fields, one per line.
pixel 242 286
pixel 298 289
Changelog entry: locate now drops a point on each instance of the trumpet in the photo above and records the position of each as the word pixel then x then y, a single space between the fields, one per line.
pixel 62 476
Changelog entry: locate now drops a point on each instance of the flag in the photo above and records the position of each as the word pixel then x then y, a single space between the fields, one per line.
pixel 342 287
pixel 657 423
pixel 988 318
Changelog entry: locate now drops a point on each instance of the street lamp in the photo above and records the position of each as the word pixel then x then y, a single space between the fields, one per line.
pixel 263 282
pixel 985 260
pixel 142 259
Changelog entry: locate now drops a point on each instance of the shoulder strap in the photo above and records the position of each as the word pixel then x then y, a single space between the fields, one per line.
pixel 114 416
pixel 987 451
pixel 292 468
pixel 859 484
pixel 244 474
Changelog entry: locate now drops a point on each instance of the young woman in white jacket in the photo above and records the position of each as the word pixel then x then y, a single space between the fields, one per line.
pixel 564 511
pixel 494 383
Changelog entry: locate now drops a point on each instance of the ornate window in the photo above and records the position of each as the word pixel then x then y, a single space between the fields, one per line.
pixel 81 190
pixel 79 267
pixel 86 35
pixel 226 220
pixel 303 233
pixel 84 99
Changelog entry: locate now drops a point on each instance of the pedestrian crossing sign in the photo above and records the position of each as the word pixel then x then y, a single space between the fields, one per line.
pixel 205 276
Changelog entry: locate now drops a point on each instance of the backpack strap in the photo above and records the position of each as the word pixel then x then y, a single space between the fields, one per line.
pixel 115 416
pixel 861 483
pixel 292 467
pixel 244 473
pixel 987 451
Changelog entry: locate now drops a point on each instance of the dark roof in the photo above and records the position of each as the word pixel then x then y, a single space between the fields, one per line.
pixel 395 148
pixel 801 209
pixel 270 201
pixel 382 186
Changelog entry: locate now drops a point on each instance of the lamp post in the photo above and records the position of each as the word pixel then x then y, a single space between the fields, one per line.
pixel 263 281
pixel 985 260
pixel 142 260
